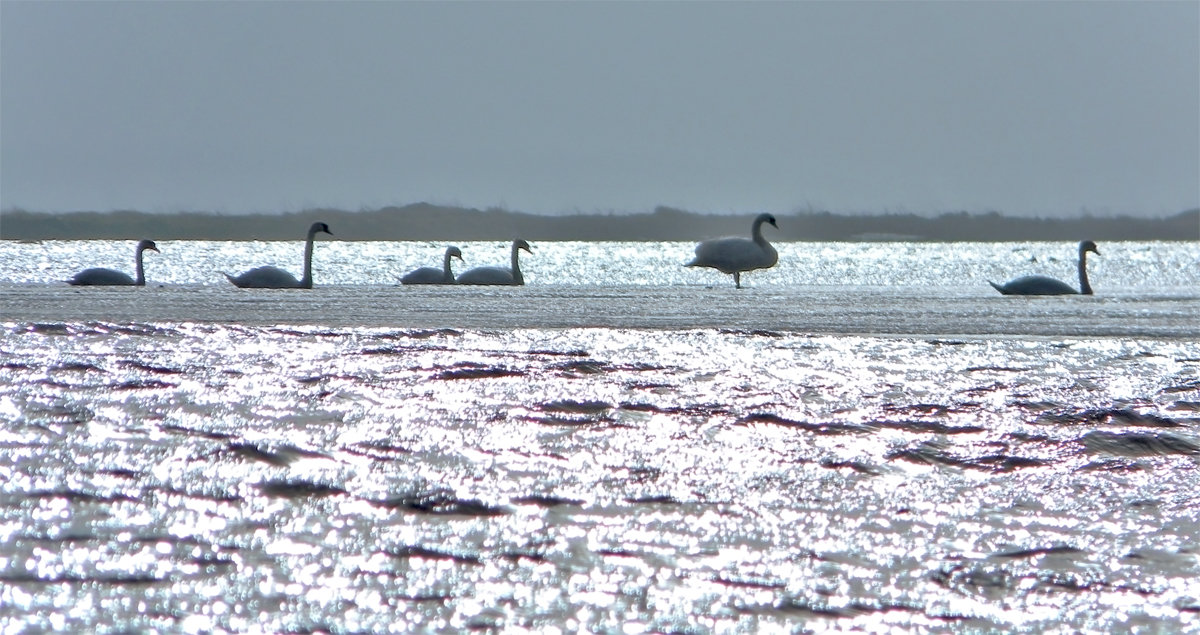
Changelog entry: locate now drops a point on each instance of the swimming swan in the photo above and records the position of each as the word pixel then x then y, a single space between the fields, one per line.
pixel 737 254
pixel 498 275
pixel 1043 285
pixel 100 276
pixel 432 275
pixel 275 278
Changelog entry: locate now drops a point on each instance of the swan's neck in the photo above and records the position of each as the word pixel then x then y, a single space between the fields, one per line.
pixel 766 247
pixel 756 232
pixel 306 281
pixel 516 267
pixel 1084 287
pixel 447 274
pixel 141 271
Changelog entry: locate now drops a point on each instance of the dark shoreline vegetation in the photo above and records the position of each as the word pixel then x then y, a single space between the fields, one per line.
pixel 423 221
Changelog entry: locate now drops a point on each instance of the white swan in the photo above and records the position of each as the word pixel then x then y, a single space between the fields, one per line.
pixel 100 276
pixel 433 275
pixel 1043 285
pixel 269 277
pixel 498 275
pixel 735 255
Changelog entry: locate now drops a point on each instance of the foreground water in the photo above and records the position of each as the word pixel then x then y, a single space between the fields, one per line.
pixel 896 448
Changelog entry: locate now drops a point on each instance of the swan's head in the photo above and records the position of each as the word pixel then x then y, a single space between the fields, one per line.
pixel 319 228
pixel 768 219
pixel 521 244
pixel 147 245
pixel 454 252
pixel 1088 245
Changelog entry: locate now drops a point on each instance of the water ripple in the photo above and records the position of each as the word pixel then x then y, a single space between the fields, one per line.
pixel 206 477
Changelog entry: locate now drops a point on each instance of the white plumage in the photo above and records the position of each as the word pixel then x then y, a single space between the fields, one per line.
pixel 433 275
pixel 736 255
pixel 270 277
pixel 498 275
pixel 1044 285
pixel 99 276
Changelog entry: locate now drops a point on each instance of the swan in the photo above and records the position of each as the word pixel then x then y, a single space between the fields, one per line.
pixel 498 275
pixel 432 275
pixel 269 277
pixel 100 276
pixel 1043 285
pixel 735 255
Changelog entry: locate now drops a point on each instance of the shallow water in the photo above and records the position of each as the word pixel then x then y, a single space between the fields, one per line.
pixel 598 456
pixel 1125 266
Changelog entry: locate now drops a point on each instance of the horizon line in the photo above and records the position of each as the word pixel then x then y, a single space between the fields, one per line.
pixel 1081 214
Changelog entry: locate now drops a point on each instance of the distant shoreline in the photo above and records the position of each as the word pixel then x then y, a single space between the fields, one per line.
pixel 426 222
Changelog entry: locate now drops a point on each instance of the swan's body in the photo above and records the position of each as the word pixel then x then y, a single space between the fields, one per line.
pixel 498 275
pixel 432 275
pixel 1043 285
pixel 736 255
pixel 100 276
pixel 269 277
pixel 1034 285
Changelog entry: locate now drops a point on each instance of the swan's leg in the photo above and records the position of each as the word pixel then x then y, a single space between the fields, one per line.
pixel 737 279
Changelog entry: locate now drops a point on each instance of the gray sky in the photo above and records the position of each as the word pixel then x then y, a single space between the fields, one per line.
pixel 1027 108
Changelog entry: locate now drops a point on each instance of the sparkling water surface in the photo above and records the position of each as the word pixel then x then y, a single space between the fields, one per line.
pixel 868 437
pixel 1133 265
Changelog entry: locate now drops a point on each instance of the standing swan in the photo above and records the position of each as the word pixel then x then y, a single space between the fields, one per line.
pixel 498 275
pixel 100 276
pixel 269 277
pixel 431 275
pixel 737 254
pixel 1043 285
